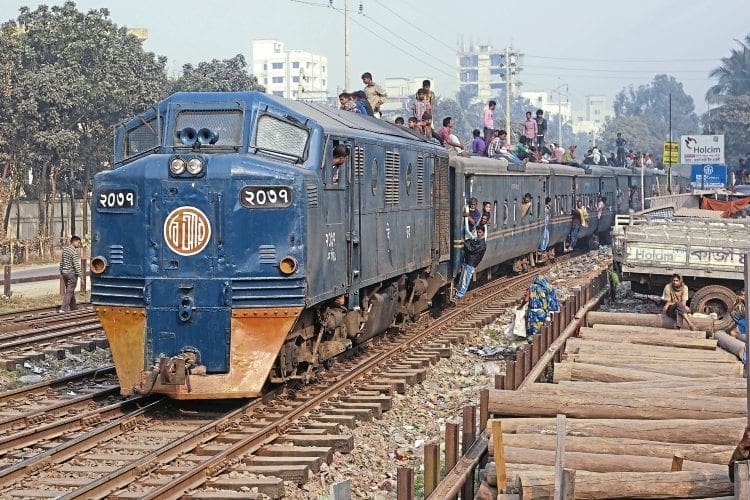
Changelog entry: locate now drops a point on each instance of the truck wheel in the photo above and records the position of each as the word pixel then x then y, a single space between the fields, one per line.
pixel 715 299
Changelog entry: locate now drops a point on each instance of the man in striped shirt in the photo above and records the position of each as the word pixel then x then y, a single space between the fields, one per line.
pixel 70 270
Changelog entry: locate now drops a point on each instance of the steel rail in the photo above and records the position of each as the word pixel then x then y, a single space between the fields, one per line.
pixel 199 474
pixel 87 441
pixel 44 388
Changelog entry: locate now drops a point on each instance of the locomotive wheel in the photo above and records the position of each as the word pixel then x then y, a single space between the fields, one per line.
pixel 715 299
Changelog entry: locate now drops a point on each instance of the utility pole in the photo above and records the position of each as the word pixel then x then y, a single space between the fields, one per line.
pixel 347 69
pixel 507 94
pixel 300 77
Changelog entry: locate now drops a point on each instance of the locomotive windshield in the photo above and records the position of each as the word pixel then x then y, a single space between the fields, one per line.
pixel 224 125
pixel 281 137
pixel 142 138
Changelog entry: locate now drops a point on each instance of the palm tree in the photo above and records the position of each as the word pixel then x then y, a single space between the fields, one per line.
pixel 733 74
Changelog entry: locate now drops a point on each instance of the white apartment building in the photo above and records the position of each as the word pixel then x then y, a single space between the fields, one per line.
pixel 295 74
pixel 591 118
pixel 554 105
pixel 482 70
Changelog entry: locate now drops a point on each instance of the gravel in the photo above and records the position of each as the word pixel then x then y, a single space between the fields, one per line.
pixel 418 416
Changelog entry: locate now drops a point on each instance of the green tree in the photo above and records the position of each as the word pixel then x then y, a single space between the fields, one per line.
pixel 69 79
pixel 229 75
pixel 734 73
pixel 635 130
pixel 651 104
pixel 732 119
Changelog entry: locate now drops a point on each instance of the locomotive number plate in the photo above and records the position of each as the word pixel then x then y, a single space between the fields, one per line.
pixel 116 198
pixel 266 196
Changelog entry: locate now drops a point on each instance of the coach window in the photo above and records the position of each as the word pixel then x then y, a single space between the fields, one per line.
pixel 494 213
pixel 505 213
pixel 515 211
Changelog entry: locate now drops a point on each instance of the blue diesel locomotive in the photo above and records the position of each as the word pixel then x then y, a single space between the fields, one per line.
pixel 228 251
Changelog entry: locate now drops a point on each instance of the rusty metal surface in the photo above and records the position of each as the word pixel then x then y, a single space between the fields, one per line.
pixel 125 329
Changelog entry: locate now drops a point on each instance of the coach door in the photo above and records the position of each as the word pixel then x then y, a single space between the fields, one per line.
pixel 340 238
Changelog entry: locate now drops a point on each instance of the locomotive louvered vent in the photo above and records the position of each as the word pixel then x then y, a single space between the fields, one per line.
pixel 359 162
pixel 392 167
pixel 267 254
pixel 312 196
pixel 420 179
pixel 116 254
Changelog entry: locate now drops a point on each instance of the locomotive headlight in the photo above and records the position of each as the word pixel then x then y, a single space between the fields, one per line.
pixel 195 166
pixel 288 265
pixel 98 265
pixel 177 166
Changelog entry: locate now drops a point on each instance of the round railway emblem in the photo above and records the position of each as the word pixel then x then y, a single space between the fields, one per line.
pixel 187 231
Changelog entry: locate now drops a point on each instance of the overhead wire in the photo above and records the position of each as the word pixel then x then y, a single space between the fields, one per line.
pixel 421 58
pixel 413 26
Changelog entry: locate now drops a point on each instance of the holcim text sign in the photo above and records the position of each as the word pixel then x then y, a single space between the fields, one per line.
pixel 702 149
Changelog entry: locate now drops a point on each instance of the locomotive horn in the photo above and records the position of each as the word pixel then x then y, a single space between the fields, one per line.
pixel 207 136
pixel 187 136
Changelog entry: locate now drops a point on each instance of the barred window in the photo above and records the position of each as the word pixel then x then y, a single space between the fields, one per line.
pixel 279 136
pixel 141 138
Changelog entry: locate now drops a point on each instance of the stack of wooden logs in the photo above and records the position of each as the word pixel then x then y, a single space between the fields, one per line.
pixel 651 413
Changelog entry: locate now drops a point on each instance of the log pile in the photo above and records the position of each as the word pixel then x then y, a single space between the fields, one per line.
pixel 651 412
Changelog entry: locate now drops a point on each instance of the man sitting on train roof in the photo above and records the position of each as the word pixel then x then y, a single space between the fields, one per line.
pixel 675 306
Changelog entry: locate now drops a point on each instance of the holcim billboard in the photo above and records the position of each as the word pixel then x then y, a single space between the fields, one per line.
pixel 702 149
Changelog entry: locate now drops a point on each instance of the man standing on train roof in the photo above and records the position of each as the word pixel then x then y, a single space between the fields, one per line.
pixel 376 96
pixel 430 95
pixel 489 121
pixel 474 249
pixel 70 270
pixel 541 129
pixel 620 143
pixel 675 302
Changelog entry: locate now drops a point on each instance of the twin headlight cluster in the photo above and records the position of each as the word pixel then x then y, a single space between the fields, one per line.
pixel 179 166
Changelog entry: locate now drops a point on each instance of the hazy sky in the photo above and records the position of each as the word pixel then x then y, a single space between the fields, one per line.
pixel 594 46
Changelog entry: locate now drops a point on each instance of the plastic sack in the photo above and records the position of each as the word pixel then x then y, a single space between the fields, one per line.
pixel 517 327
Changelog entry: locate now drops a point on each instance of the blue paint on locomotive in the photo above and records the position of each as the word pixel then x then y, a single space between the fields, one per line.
pixel 365 229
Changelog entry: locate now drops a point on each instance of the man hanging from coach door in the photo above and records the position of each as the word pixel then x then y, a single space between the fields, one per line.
pixel 340 155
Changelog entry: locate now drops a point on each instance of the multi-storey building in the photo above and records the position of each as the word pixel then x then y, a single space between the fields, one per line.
pixel 482 70
pixel 295 74
pixel 591 118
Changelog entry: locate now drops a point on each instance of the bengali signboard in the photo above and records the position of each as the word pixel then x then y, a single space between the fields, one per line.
pixel 701 149
pixel 671 152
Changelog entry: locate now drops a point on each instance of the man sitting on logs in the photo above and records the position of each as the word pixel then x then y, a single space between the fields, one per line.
pixel 738 315
pixel 675 306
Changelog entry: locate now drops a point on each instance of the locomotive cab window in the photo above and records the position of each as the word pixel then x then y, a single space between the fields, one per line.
pixel 335 169
pixel 281 138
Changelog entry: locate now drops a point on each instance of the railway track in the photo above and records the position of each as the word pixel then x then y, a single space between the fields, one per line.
pixel 32 336
pixel 93 446
pixel 160 450
pixel 37 313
